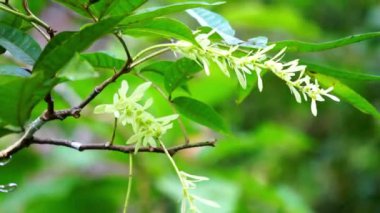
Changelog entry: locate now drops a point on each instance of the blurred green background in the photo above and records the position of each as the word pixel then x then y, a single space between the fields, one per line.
pixel 278 157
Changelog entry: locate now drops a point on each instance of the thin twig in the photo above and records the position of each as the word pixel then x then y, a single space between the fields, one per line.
pixel 129 57
pixel 103 146
pixel 21 143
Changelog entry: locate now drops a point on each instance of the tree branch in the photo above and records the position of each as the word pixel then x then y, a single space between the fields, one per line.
pixel 104 146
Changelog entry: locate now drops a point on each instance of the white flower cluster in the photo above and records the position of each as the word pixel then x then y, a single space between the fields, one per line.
pixel 255 61
pixel 147 129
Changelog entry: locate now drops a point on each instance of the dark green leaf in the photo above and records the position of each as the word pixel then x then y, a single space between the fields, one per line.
pixel 116 7
pixel 155 12
pixel 200 113
pixel 179 73
pixel 2 50
pixel 76 5
pixel 175 73
pixel 341 74
pixel 63 48
pixel 159 67
pixel 300 46
pixel 103 61
pixel 13 70
pixel 10 19
pixel 165 27
pixel 19 44
pixel 18 97
pixel 346 93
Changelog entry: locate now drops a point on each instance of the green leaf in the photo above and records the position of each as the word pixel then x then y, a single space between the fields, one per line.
pixel 64 47
pixel 102 61
pixel 13 70
pixel 200 113
pixel 19 44
pixel 159 67
pixel 179 73
pixel 155 12
pixel 115 7
pixel 341 74
pixel 76 5
pixel 346 93
pixel 300 46
pixel 18 97
pixel 166 27
pixel 77 69
pixel 175 73
pixel 10 19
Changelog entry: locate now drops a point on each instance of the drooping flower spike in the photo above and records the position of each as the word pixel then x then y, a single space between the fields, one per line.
pixel 254 62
